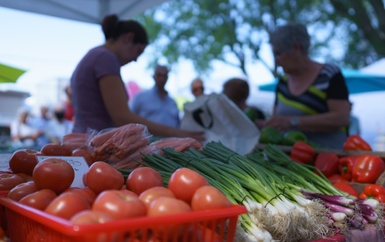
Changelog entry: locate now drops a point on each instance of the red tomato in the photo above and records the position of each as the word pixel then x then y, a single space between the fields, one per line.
pixel 67 205
pixel 56 150
pixel 9 181
pixel 209 197
pixel 346 187
pixel 101 176
pixel 85 153
pixel 21 190
pixel 91 217
pixel 184 182
pixel 143 178
pixel 166 206
pixel 153 193
pixel 119 204
pixel 39 199
pixel 26 176
pixel 86 193
pixel 55 174
pixel 128 192
pixel 23 161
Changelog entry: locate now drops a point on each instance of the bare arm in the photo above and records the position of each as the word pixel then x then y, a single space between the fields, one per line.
pixel 337 116
pixel 115 99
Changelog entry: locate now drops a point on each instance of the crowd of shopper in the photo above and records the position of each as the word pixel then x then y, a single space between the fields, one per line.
pixel 310 96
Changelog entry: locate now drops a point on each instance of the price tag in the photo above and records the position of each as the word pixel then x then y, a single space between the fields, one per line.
pixel 77 162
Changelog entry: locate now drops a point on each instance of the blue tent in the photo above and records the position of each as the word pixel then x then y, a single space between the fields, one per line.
pixel 358 82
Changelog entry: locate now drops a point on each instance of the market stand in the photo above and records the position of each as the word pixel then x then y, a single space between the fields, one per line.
pixel 15 214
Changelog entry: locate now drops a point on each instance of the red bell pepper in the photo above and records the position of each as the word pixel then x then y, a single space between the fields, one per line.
pixel 374 191
pixel 336 178
pixel 355 142
pixel 345 166
pixel 346 187
pixel 302 152
pixel 327 163
pixel 367 168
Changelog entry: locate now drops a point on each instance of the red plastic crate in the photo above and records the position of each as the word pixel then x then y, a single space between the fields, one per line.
pixel 3 193
pixel 28 224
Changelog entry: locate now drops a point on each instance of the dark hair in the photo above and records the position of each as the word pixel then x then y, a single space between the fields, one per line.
pixel 158 66
pixel 236 89
pixel 113 28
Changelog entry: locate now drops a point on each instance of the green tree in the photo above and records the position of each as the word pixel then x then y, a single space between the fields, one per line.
pixel 233 31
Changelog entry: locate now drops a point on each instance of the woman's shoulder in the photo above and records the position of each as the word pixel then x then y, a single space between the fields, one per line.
pixel 102 60
pixel 99 52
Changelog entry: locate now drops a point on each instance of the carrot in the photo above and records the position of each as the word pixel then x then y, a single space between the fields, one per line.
pixel 179 144
pixel 75 140
pixel 128 132
pixel 131 161
pixel 132 148
pixel 119 143
pixel 132 140
pixel 120 138
pixel 101 138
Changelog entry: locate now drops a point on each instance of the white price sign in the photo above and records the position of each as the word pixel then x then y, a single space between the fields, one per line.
pixel 77 162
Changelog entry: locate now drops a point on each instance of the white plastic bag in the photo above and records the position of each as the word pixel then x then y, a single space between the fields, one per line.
pixel 222 121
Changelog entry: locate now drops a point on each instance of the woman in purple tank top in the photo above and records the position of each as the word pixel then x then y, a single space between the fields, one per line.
pixel 98 92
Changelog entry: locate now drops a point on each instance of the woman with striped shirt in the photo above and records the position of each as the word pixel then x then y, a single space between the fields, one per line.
pixel 311 97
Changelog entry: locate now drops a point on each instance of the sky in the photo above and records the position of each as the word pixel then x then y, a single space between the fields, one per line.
pixel 49 49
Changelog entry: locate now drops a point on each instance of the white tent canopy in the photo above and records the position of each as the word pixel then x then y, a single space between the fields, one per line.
pixel 91 11
pixel 376 68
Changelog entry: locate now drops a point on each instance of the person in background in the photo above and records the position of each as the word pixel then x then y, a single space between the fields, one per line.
pixel 311 97
pixel 155 104
pixel 197 87
pixel 23 133
pixel 238 90
pixel 43 118
pixel 40 122
pixel 58 126
pixel 99 97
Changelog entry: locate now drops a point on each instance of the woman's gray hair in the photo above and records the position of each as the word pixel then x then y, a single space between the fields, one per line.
pixel 284 37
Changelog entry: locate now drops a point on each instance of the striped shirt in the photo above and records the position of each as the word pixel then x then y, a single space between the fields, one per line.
pixel 329 84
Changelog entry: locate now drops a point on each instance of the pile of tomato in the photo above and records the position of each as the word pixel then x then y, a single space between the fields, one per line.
pixel 107 195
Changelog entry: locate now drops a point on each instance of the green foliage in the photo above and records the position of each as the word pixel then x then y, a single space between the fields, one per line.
pixel 233 31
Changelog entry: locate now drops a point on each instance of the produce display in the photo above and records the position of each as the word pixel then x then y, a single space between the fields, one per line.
pixel 109 196
pixel 295 195
pixel 286 200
